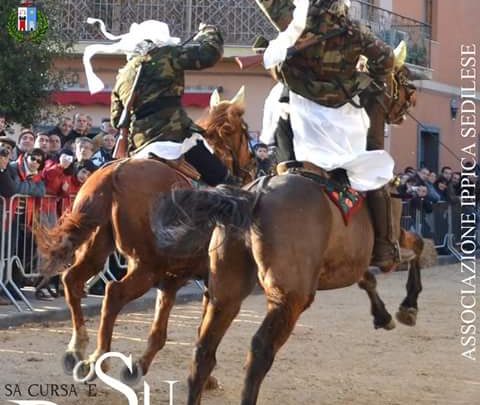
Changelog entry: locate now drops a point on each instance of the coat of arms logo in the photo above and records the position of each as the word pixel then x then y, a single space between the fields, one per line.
pixel 27 23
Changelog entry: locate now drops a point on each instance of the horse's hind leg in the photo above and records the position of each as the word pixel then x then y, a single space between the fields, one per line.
pixel 89 260
pixel 283 313
pixel 158 332
pixel 232 278
pixel 407 313
pixel 138 280
pixel 381 317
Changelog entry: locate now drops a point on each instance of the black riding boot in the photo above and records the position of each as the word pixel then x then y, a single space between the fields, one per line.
pixel 387 253
pixel 211 169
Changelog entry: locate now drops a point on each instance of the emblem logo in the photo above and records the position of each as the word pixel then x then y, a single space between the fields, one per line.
pixel 27 23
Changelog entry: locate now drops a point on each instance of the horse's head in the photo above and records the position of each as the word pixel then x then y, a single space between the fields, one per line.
pixel 400 94
pixel 227 133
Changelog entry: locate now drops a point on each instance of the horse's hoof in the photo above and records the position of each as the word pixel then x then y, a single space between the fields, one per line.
pixel 132 378
pixel 211 384
pixel 69 361
pixel 387 326
pixel 407 316
pixel 84 372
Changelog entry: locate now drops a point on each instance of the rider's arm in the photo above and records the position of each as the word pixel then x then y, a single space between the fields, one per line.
pixel 379 54
pixel 206 54
pixel 116 108
pixel 279 12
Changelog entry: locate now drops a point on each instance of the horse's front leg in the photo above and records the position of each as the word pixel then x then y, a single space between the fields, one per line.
pixel 407 312
pixel 89 260
pixel 381 317
pixel 158 332
pixel 138 280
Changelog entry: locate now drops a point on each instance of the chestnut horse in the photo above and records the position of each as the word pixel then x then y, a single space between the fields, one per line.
pixel 112 210
pixel 293 245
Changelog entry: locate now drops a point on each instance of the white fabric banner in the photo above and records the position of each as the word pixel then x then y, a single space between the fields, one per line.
pixel 337 138
pixel 330 138
pixel 170 150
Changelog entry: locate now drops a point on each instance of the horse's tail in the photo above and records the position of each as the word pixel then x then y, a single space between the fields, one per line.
pixel 57 245
pixel 183 220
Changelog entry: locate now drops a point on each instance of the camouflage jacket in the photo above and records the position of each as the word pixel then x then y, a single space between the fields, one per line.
pixel 326 72
pixel 156 112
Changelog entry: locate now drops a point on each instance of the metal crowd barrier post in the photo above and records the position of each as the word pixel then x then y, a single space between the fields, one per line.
pixel 4 256
pixel 16 206
pixel 455 231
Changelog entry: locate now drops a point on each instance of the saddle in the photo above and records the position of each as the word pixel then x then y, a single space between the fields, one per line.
pixel 180 165
pixel 335 184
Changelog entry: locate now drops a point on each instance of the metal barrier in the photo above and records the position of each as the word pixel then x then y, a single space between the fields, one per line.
pixel 19 257
pixel 442 224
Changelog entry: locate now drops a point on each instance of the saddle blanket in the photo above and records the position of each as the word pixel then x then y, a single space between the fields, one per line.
pixel 347 200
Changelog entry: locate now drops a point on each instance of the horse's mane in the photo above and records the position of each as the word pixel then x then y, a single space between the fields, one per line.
pixel 222 123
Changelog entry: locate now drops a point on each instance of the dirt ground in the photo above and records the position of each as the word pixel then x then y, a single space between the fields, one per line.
pixel 334 356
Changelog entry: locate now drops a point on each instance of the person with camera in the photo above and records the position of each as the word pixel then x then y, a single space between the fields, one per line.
pixel 7 180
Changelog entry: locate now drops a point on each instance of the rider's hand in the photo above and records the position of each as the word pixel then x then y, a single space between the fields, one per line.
pixel 203 28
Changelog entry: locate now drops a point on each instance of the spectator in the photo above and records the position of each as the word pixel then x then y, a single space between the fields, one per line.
pixel 105 128
pixel 441 186
pixel 453 190
pixel 7 179
pixel 105 153
pixel 264 164
pixel 83 149
pixel 54 148
pixel 62 129
pixel 89 132
pixel 432 177
pixel 79 130
pixel 26 140
pixel 82 172
pixel 27 172
pixel 9 144
pixel 446 172
pixel 3 124
pixel 28 181
pixel 409 170
pixel 42 142
pixel 58 176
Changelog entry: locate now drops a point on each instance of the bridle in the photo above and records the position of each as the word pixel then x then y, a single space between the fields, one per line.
pixel 237 169
pixel 399 80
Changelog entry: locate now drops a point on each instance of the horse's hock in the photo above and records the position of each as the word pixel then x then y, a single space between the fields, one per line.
pixel 428 258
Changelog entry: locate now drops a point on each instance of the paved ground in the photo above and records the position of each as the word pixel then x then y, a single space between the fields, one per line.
pixel 334 356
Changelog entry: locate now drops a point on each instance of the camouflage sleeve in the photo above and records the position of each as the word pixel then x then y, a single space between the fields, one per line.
pixel 279 12
pixel 116 108
pixel 379 54
pixel 208 52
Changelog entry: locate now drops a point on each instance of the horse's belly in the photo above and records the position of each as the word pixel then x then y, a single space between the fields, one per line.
pixel 339 276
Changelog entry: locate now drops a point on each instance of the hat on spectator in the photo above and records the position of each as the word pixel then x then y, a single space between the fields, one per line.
pixel 8 141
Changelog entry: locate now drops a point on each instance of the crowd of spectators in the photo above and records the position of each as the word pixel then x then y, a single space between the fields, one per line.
pixel 427 187
pixel 50 166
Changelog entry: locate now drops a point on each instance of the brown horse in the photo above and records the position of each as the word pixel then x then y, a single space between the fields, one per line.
pixel 290 237
pixel 112 210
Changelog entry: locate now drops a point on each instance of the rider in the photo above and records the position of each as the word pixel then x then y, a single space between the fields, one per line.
pixel 325 74
pixel 154 76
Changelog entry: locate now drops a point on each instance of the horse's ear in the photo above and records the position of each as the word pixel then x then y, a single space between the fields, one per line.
pixel 400 54
pixel 214 99
pixel 239 98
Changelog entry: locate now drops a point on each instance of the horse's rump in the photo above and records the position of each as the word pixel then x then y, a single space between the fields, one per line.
pixel 124 189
